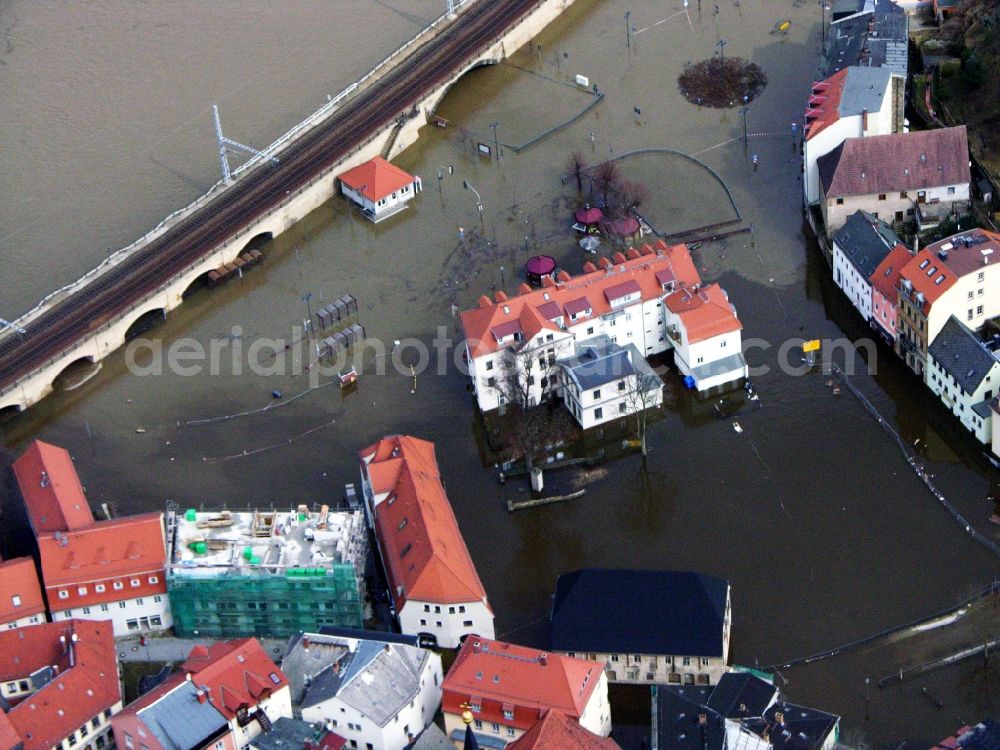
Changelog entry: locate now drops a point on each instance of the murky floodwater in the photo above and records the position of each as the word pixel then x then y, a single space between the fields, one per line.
pixel 811 512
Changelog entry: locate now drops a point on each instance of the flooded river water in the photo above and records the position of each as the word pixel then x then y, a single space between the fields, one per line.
pixel 811 512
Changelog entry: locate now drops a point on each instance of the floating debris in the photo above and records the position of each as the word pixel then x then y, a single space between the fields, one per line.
pixel 140 430
pixel 738 427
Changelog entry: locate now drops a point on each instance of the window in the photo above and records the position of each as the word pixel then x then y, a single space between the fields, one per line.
pixel 979 310
pixel 84 730
pixel 437 609
pixel 121 605
pixel 157 599
pixel 510 731
pixel 118 585
pixel 700 360
pixel 598 413
pixel 439 623
pixel 423 622
pixel 969 317
pixel 902 194
pixel 402 524
pixel 621 386
pixel 153 580
pixel 597 394
pixel 134 583
pixel 970 296
pixel 451 610
pixel 840 201
pixel 951 191
pixel 86 610
pixel 687 661
pixel 590 331
pixel 461 608
pixel 979 277
pixel 478 724
pixel 491 382
pixel 82 591
pixel 621 408
pixel 427 608
pixel 128 740
pixel 489 364
pixel 132 624
pixel 104 608
pixel 16 600
pixel 881 196
pixel 64 594
pixel 495 727
pixel 704 661
pixel 23 685
pixel 156 621
pixel 467 623
pixel 614 657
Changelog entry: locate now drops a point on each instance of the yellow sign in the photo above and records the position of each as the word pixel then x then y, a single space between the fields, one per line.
pixel 784 25
pixel 811 346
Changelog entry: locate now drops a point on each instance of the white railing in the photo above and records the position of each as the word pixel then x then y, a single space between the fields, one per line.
pixel 313 119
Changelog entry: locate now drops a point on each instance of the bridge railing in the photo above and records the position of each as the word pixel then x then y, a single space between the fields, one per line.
pixel 14 385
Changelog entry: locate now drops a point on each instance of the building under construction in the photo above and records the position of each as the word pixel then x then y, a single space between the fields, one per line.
pixel 265 573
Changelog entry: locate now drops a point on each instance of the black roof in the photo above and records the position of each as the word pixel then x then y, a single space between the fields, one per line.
pixel 288 734
pixel 865 241
pixel 877 35
pixel 741 695
pixel 677 720
pixel 962 355
pixel 639 611
pixel 801 728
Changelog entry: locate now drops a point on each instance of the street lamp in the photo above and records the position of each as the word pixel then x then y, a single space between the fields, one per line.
pixel 479 204
pixel 309 324
pixel 628 34
pixel 440 172
pixel 823 7
pixel 746 139
pixel 721 44
pixel 496 143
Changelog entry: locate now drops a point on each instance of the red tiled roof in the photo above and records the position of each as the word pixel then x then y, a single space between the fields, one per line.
pixel 704 313
pixel 621 290
pixel 119 549
pixel 896 162
pixel 983 249
pixel 234 673
pixel 418 532
pixel 378 177
pixel 555 731
pixel 9 738
pixel 78 693
pixel 19 578
pixel 51 489
pixel 581 292
pixel 925 280
pixel 824 103
pixel 525 679
pixel 886 275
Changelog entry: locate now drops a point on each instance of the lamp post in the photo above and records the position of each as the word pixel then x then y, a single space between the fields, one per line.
pixel 746 138
pixel 721 44
pixel 496 143
pixel 822 13
pixel 868 700
pixel 440 173
pixel 306 298
pixel 479 204
pixel 628 33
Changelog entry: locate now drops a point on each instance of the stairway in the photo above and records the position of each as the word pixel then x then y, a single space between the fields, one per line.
pixel 391 140
pixel 263 720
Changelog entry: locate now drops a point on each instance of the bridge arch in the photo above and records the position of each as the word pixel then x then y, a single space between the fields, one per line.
pixel 196 284
pixel 439 96
pixel 258 241
pixel 76 373
pixel 9 412
pixel 144 322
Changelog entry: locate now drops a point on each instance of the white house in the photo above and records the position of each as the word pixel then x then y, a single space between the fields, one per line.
pixel 376 694
pixel 705 332
pixel 859 247
pixel 520 338
pixel 920 176
pixel 964 373
pixel 855 102
pixel 380 188
pixel 603 381
pixel 434 588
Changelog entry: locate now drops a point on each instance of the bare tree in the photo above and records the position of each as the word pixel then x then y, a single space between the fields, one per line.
pixel 531 426
pixel 576 164
pixel 607 176
pixel 640 399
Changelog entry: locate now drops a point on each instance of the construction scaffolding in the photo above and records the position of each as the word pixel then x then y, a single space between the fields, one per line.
pixel 265 573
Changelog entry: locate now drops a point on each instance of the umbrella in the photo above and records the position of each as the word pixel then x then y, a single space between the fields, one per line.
pixel 588 216
pixel 590 243
pixel 625 226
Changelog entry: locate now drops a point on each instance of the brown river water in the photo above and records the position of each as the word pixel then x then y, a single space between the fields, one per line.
pixel 811 512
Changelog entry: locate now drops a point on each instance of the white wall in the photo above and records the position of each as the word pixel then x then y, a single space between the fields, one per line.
pixel 23 621
pixel 385 204
pixel 277 705
pixel 966 296
pixel 823 143
pixel 960 403
pixel 835 215
pixel 352 724
pixel 857 288
pixel 423 617
pixel 688 356
pixel 596 714
pixel 134 609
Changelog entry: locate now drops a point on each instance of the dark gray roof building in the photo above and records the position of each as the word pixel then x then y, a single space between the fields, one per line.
pixel 180 721
pixel 288 734
pixel 960 353
pixel 875 35
pixel 640 611
pixel 865 241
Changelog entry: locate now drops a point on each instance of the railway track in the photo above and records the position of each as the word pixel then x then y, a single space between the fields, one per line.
pixel 394 95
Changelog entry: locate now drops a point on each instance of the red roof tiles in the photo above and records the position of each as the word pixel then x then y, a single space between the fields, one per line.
pixel 424 552
pixel 824 103
pixel 896 162
pixel 376 178
pixel 124 549
pixel 705 313
pixel 522 679
pixel 886 275
pixel 85 686
pixel 587 291
pixel 19 583
pixel 235 674
pixel 555 731
pixel 51 489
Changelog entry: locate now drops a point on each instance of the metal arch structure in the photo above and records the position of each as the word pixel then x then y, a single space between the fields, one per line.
pixel 226 145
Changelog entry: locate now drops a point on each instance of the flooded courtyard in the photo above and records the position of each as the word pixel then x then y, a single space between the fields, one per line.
pixel 811 511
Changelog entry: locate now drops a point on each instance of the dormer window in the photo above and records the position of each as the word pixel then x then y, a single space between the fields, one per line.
pixel 924 263
pixel 506 309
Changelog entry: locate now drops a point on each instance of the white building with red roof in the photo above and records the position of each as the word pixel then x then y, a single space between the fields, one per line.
pixel 624 298
pixel 380 188
pixel 224 696
pixel 434 587
pixel 509 688
pixel 854 102
pixel 94 570
pixel 21 601
pixel 61 680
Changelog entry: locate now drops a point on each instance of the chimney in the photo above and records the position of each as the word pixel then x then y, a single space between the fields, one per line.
pixel 864 122
pixel 702 719
pixel 523 289
pixel 201 695
pixel 305 643
pixel 543 659
pixel 485 301
pixel 500 296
